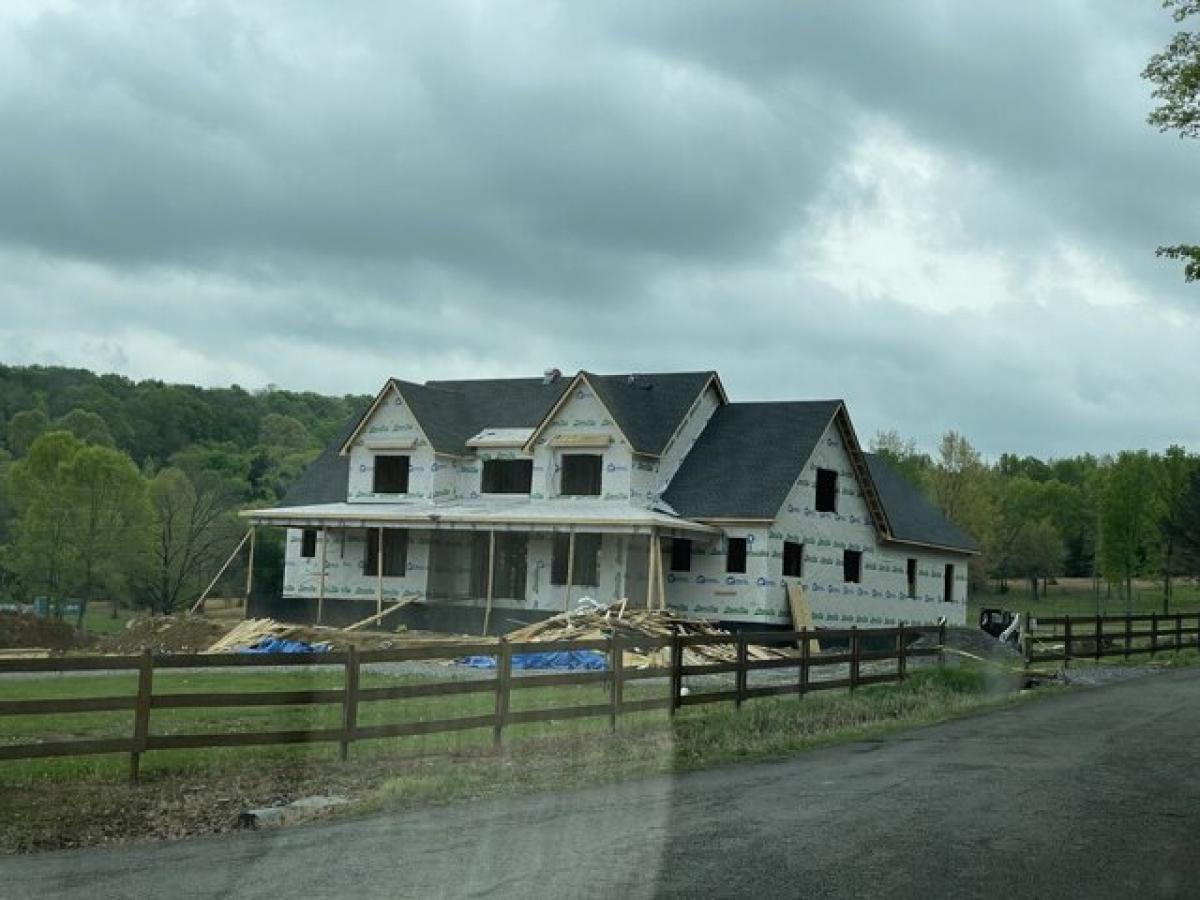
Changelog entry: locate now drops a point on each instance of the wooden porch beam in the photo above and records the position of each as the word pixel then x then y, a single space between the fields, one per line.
pixel 321 577
pixel 491 580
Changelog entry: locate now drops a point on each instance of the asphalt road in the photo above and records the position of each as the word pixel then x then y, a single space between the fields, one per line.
pixel 1093 794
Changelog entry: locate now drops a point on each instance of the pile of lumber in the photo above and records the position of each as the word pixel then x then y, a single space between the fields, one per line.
pixel 598 623
pixel 248 633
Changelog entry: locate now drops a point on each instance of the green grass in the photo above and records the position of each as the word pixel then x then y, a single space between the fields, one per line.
pixel 1074 597
pixel 80 726
pixel 99 619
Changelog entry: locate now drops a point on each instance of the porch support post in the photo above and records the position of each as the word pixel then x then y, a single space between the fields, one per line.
pixel 662 578
pixel 491 580
pixel 250 570
pixel 379 572
pixel 570 567
pixel 321 576
pixel 650 571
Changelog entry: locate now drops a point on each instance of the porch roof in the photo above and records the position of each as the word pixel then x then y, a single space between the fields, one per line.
pixel 517 514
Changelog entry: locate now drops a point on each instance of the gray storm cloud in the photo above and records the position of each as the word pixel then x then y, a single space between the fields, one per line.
pixel 945 213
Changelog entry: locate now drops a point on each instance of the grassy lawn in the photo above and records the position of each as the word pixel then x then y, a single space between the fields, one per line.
pixel 99 619
pixel 73 802
pixel 1074 597
pixel 79 726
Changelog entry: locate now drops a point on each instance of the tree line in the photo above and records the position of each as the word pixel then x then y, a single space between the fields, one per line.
pixel 129 491
pixel 1109 518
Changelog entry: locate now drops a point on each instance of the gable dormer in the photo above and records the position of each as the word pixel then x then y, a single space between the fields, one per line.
pixel 579 450
pixel 390 456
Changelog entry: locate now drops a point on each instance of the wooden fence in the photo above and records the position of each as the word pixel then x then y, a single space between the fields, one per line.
pixel 848 650
pixel 1063 638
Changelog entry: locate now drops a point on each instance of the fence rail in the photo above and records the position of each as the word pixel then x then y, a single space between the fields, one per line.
pixel 351 696
pixel 1095 637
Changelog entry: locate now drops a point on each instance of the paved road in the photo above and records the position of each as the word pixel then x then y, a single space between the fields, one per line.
pixel 1092 794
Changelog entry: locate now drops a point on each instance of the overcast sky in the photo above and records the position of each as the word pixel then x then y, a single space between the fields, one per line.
pixel 943 212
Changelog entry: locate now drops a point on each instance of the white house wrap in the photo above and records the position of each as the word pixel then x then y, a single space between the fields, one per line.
pixel 651 487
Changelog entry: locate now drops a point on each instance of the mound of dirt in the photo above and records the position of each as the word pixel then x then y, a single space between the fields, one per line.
pixel 163 634
pixel 19 630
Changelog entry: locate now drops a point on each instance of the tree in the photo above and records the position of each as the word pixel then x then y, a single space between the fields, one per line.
pixel 1174 476
pixel 24 428
pixel 903 455
pixel 41 552
pixel 961 486
pixel 1187 526
pixel 194 528
pixel 87 426
pixel 82 517
pixel 1037 553
pixel 108 524
pixel 1175 74
pixel 285 432
pixel 1129 527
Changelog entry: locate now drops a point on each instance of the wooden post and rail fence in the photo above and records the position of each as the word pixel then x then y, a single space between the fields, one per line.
pixel 1064 638
pixel 845 648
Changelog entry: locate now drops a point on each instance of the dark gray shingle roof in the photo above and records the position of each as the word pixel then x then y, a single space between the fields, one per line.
pixel 327 478
pixel 648 408
pixel 910 513
pixel 747 459
pixel 452 412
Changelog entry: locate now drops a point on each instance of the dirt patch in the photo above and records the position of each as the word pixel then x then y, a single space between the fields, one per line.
pixel 163 634
pixel 18 630
pixel 979 642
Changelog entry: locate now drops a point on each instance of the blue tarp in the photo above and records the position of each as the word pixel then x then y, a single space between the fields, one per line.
pixel 279 645
pixel 563 659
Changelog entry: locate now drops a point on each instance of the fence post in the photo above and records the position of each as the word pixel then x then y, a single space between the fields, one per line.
pixel 740 675
pixel 616 656
pixel 349 703
pixel 503 676
pixel 1153 634
pixel 855 652
pixel 805 652
pixel 1027 637
pixel 141 712
pixel 1178 632
pixel 676 672
pixel 1099 637
pixel 1067 641
pixel 942 644
pixel 901 654
pixel 1128 634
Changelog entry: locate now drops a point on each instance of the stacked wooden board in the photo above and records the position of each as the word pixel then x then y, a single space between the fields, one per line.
pixel 631 624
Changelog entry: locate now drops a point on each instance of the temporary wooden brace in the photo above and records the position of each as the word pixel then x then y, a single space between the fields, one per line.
pixel 491 580
pixel 379 573
pixel 321 577
pixel 250 571
pixel 199 604
pixel 570 567
pixel 379 615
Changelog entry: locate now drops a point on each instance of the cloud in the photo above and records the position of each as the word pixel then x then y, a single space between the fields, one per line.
pixel 944 212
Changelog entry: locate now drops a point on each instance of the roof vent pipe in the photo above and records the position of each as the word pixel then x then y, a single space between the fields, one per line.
pixel 550 376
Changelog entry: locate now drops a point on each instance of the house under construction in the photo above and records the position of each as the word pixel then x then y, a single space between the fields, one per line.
pixel 482 504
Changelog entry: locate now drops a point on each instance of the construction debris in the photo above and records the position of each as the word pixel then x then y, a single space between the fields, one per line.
pixel 20 630
pixel 253 631
pixel 592 621
pixel 163 634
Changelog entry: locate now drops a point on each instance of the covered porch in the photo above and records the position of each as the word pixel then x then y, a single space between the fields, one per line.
pixel 485 568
